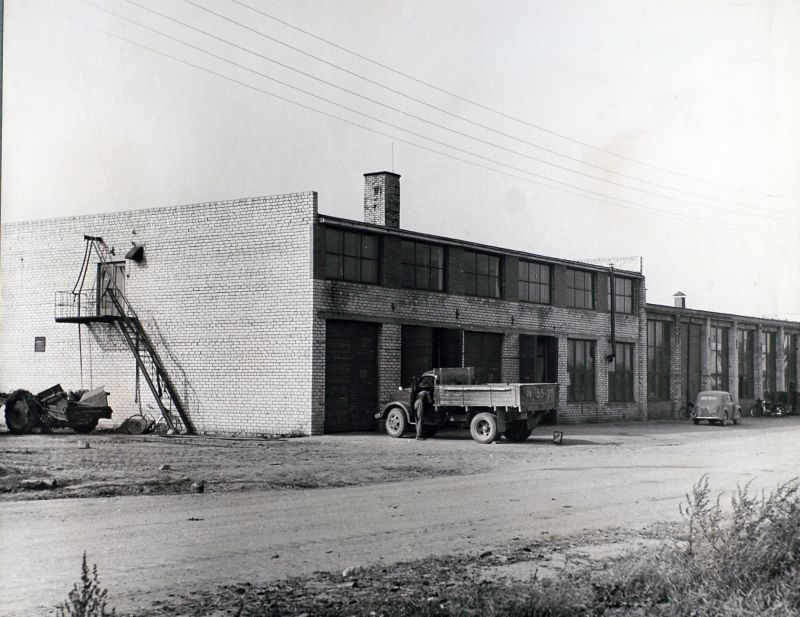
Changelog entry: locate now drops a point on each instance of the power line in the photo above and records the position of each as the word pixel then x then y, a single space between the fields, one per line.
pixel 760 211
pixel 435 124
pixel 605 198
pixel 500 113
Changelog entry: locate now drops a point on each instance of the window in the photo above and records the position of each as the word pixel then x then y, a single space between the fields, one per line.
pixel 768 356
pixel 580 289
pixel 580 366
pixel 658 360
pixel 744 352
pixel 620 374
pixel 481 274
pixel 534 282
pixel 351 256
pixel 718 348
pixel 789 362
pixel 423 266
pixel 623 295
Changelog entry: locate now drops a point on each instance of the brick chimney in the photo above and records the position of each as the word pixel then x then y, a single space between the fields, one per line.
pixel 680 299
pixel 382 199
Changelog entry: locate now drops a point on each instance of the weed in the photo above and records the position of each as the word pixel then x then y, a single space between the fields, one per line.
pixel 87 598
pixel 743 561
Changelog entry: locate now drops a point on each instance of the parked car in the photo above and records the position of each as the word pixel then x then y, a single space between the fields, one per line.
pixel 717 407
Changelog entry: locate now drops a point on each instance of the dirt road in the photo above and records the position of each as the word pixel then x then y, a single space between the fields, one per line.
pixel 147 547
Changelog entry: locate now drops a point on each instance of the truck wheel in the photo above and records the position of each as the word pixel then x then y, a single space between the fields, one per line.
pixel 395 423
pixel 85 427
pixel 483 427
pixel 517 431
pixel 22 412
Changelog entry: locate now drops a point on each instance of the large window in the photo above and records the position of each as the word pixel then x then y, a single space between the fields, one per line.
pixel 534 282
pixel 658 360
pixel 351 256
pixel 790 362
pixel 423 266
pixel 620 374
pixel 481 274
pixel 623 295
pixel 768 365
pixel 718 347
pixel 744 352
pixel 580 289
pixel 580 366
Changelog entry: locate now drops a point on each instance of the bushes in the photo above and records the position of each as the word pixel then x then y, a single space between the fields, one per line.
pixel 742 563
pixel 87 598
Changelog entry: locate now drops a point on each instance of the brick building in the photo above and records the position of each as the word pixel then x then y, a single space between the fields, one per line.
pixel 272 318
pixel 691 350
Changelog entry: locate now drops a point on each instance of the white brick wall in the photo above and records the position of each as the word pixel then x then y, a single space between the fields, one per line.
pixel 224 293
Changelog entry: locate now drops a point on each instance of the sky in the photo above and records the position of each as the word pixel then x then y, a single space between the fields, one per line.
pixel 667 130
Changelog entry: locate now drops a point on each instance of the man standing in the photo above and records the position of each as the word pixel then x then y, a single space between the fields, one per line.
pixel 422 401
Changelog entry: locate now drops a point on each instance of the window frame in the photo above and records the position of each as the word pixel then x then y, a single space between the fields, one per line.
pixel 745 340
pixel 582 382
pixel 411 269
pixel 572 290
pixel 620 377
pixel 718 360
pixel 769 363
pixel 349 256
pixel 659 360
pixel 789 362
pixel 528 283
pixel 483 280
pixel 626 298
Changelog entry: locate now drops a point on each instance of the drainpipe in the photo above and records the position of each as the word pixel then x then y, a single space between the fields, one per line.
pixel 612 356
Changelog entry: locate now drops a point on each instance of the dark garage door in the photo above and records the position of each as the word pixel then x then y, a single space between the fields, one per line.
pixel 483 351
pixel 351 376
pixel 425 348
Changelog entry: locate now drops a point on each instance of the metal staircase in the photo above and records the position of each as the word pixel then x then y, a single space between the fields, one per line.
pixel 111 306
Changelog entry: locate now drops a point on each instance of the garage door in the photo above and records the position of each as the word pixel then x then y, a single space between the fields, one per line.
pixel 483 351
pixel 416 352
pixel 425 348
pixel 351 376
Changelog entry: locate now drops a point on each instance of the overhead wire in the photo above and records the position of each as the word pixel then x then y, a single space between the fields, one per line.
pixel 617 202
pixel 376 119
pixel 442 110
pixel 503 114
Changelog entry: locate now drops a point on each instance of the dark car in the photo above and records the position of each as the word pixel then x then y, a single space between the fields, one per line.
pixel 717 407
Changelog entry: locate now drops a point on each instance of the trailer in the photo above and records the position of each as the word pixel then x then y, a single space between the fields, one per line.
pixel 489 410
pixel 54 408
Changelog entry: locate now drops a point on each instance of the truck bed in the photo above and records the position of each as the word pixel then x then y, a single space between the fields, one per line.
pixel 522 396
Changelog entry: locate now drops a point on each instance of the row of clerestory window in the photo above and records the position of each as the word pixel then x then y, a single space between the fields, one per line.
pixel 355 256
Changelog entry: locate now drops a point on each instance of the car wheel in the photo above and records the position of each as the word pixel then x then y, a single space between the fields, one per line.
pixel 395 423
pixel 483 427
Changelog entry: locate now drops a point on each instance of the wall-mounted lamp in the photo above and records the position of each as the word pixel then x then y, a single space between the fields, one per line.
pixel 456 313
pixel 136 253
